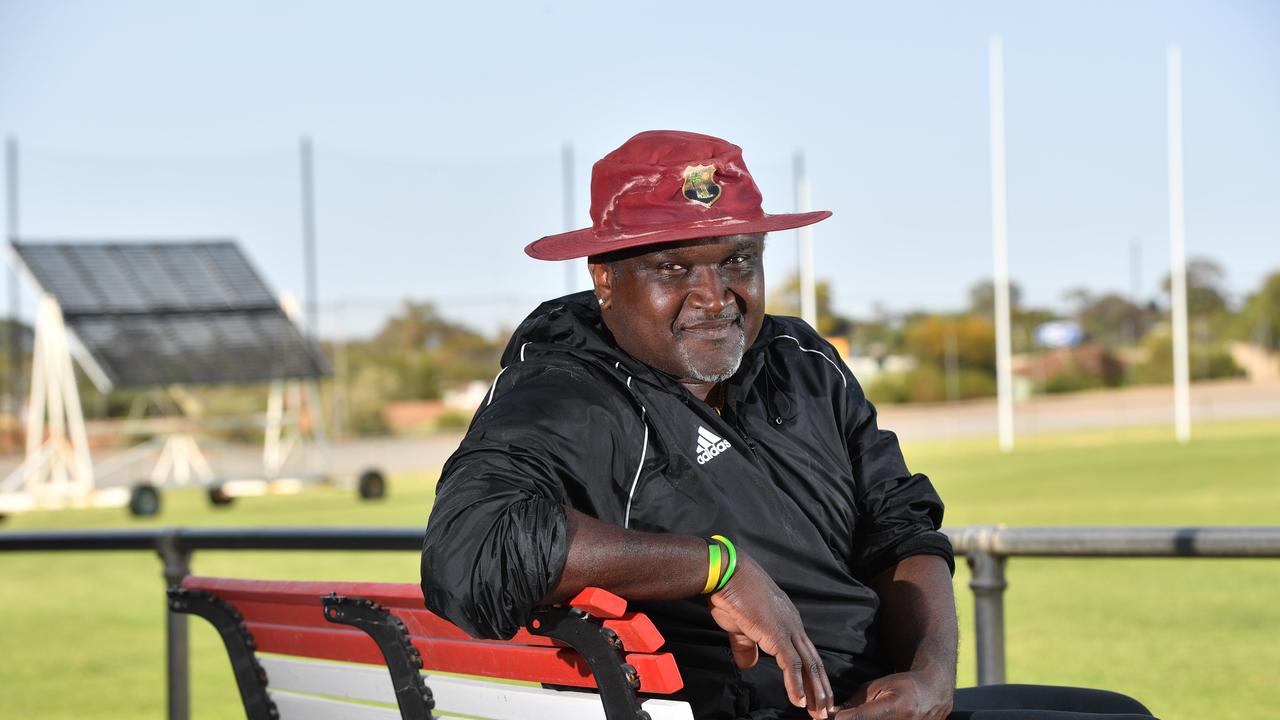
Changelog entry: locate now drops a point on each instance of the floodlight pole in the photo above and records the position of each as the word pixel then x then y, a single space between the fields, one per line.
pixel 307 178
pixel 13 396
pixel 1132 323
pixel 566 168
pixel 804 241
pixel 1000 242
pixel 1178 251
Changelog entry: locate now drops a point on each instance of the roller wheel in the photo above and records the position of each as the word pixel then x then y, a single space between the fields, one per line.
pixel 144 500
pixel 218 496
pixel 371 485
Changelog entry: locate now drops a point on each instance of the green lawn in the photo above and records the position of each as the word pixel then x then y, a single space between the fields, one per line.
pixel 1192 638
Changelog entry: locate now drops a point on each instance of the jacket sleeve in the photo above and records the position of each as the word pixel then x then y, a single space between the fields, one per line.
pixel 496 539
pixel 898 513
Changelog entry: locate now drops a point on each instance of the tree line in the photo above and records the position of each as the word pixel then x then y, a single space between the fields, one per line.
pixel 1123 340
pixel 919 356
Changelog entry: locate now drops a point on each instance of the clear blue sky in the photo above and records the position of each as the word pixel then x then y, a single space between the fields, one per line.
pixel 438 129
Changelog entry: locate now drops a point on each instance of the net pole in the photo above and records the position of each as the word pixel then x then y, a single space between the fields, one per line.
pixel 567 188
pixel 1178 251
pixel 1000 243
pixel 13 394
pixel 804 246
pixel 307 183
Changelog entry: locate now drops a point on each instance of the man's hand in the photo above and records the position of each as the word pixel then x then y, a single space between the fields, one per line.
pixel 914 695
pixel 918 624
pixel 759 616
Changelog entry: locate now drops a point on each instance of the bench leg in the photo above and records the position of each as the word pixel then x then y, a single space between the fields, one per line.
pixel 616 680
pixel 250 677
pixel 403 660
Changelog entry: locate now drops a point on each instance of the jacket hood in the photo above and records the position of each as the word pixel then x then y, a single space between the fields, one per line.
pixel 571 323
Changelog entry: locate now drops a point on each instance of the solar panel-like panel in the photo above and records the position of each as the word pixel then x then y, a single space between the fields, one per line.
pixel 180 312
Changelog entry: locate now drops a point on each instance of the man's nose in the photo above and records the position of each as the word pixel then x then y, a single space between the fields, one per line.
pixel 710 292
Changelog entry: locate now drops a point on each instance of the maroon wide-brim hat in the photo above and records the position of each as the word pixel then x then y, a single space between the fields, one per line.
pixel 662 186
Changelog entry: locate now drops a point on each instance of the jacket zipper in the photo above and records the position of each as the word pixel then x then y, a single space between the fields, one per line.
pixel 735 422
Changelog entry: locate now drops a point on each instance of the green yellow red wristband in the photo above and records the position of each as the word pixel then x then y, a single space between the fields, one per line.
pixel 713 567
pixel 733 560
pixel 722 561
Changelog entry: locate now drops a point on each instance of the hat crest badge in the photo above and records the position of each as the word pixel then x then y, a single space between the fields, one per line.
pixel 700 184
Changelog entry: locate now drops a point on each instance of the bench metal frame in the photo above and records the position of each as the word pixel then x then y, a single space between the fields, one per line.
pixel 610 642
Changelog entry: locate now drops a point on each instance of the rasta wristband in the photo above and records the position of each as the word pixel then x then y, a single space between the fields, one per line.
pixel 713 567
pixel 733 560
pixel 722 561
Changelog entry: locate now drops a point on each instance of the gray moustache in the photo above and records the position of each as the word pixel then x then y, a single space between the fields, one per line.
pixel 736 318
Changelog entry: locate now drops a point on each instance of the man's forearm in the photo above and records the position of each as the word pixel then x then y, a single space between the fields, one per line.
pixel 918 615
pixel 918 625
pixel 636 565
pixel 752 610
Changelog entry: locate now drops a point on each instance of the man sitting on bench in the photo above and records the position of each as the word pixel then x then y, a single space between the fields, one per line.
pixel 662 438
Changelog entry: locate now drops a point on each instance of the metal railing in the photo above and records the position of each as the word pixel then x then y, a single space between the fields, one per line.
pixel 986 548
pixel 175 547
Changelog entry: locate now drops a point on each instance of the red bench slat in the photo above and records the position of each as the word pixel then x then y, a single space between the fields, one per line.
pixel 293 602
pixel 636 631
pixel 557 666
pixel 599 602
pixel 285 617
pixel 306 592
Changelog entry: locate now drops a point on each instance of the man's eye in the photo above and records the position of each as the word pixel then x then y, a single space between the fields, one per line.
pixel 737 260
pixel 670 267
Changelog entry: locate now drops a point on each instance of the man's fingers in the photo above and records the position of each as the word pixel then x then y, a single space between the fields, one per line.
pixel 802 688
pixel 817 685
pixel 745 651
pixel 792 677
pixel 882 708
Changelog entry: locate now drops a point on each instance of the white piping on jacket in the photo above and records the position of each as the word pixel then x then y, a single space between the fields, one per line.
pixel 644 449
pixel 820 354
pixel 494 386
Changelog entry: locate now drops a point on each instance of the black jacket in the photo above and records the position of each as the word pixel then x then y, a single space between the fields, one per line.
pixel 794 471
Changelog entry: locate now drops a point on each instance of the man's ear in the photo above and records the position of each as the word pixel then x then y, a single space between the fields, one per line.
pixel 602 279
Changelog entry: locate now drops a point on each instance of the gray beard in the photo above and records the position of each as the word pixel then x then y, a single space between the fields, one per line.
pixel 710 375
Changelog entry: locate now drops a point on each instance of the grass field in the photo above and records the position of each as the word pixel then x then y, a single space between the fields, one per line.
pixel 82 634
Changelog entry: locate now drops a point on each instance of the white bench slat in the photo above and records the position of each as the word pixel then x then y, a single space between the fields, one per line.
pixel 453 695
pixel 370 683
pixel 308 707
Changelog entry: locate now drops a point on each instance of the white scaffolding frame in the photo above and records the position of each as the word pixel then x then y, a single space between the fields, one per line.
pixel 57 471
pixel 295 419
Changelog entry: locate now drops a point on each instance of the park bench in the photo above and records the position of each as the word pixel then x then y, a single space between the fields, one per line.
pixel 321 650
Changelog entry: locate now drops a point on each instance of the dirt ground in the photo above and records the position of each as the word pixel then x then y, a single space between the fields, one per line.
pixel 1128 407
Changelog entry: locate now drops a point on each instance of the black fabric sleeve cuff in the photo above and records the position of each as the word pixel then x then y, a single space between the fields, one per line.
pixel 926 543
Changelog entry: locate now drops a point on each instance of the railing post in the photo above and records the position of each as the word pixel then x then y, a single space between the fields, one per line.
pixel 177 565
pixel 988 584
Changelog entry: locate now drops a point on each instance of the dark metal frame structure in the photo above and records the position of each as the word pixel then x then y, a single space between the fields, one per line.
pixel 164 313
pixel 159 314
